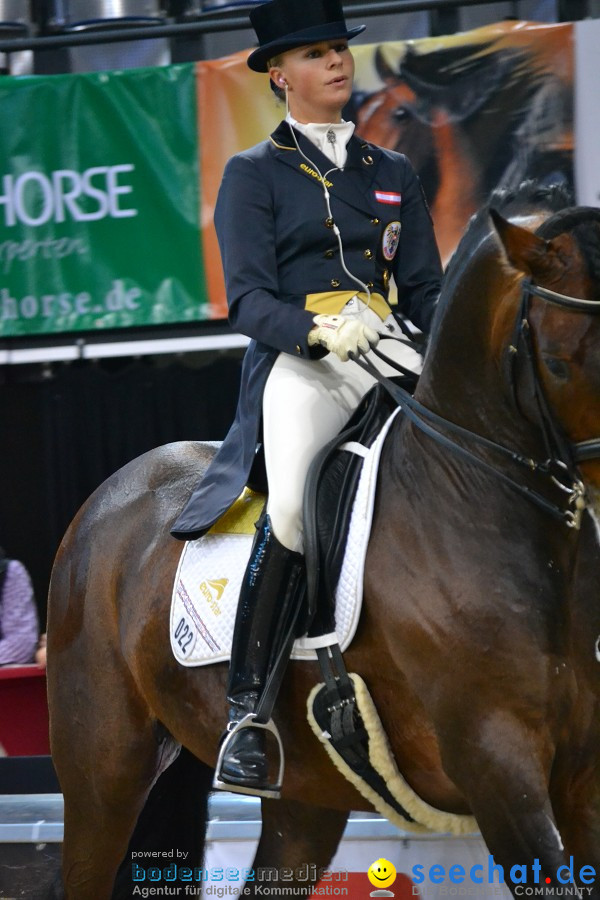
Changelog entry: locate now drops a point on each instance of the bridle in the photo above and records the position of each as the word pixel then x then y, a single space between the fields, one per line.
pixel 559 467
pixel 581 450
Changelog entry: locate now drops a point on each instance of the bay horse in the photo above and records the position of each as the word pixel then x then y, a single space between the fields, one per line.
pixel 479 636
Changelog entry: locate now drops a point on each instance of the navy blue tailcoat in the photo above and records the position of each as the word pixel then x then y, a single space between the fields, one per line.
pixel 278 245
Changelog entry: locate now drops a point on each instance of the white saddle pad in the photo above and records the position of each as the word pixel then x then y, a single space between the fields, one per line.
pixel 210 572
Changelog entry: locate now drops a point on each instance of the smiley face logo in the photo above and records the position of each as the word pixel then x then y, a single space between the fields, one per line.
pixel 381 874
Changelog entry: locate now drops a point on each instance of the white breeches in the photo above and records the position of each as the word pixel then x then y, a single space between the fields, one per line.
pixel 305 404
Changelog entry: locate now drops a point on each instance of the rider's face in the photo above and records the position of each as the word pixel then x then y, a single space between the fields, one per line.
pixel 319 78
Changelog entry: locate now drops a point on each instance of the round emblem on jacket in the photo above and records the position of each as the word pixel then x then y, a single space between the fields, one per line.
pixel 391 239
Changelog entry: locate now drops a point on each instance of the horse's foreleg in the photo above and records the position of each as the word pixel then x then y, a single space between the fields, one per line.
pixel 297 837
pixel 506 785
pixel 576 800
pixel 519 830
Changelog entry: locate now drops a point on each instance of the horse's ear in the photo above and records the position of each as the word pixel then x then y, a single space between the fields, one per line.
pixel 383 68
pixel 525 251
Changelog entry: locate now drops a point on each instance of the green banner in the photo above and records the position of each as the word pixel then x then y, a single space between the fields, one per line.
pixel 99 202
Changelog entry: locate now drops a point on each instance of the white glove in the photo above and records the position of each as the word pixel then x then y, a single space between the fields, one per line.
pixel 342 336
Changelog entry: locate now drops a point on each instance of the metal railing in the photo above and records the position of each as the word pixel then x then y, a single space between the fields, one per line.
pixel 211 23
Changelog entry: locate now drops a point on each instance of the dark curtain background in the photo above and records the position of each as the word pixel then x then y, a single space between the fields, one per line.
pixel 65 430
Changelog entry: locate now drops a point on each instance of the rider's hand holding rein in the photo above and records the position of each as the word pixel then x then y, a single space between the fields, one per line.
pixel 342 336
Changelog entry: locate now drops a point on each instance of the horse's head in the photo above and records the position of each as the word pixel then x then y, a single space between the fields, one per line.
pixel 514 355
pixel 555 345
pixel 396 117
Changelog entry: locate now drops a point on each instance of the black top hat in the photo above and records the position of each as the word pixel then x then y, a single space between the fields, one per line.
pixel 283 24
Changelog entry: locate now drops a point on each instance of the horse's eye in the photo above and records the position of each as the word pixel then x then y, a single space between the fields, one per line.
pixel 400 113
pixel 557 367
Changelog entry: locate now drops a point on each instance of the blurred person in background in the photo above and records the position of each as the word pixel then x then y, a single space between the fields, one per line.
pixel 19 627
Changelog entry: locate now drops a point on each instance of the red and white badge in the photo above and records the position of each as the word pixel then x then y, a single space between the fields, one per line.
pixel 388 197
pixel 391 239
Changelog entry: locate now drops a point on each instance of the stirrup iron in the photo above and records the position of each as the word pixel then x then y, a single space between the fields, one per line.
pixel 269 790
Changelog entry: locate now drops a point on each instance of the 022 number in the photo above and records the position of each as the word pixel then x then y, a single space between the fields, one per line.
pixel 184 635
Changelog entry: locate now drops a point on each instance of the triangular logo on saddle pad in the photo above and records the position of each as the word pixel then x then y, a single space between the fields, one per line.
pixel 212 591
pixel 219 585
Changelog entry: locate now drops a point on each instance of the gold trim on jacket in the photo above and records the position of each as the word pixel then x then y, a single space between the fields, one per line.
pixel 331 303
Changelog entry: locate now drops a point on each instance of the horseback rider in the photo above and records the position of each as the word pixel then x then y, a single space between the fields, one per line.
pixel 313 224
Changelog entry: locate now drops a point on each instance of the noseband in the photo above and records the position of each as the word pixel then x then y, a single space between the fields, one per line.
pixel 559 467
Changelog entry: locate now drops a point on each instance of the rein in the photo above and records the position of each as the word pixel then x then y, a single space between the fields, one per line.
pixel 559 466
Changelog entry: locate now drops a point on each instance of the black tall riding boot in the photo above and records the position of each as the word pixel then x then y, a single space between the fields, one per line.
pixel 272 588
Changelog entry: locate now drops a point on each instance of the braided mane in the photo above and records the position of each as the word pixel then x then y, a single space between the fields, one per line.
pixel 583 223
pixel 529 198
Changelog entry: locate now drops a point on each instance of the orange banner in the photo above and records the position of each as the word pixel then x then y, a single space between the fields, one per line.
pixel 475 111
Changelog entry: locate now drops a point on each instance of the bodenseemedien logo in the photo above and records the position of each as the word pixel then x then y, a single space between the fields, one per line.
pixel 179 879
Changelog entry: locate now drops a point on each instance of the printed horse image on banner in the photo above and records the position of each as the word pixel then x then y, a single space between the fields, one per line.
pixel 475 111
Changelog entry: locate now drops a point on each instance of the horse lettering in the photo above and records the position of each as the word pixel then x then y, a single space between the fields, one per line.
pixel 34 198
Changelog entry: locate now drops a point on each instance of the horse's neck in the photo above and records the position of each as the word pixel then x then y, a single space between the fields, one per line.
pixel 465 375
pixel 460 378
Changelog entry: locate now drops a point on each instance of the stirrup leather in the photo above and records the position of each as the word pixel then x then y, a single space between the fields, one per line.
pixel 269 790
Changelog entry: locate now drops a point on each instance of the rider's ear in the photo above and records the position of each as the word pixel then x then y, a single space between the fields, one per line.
pixel 277 77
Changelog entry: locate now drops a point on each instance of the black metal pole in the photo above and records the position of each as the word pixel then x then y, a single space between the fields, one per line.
pixel 208 25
